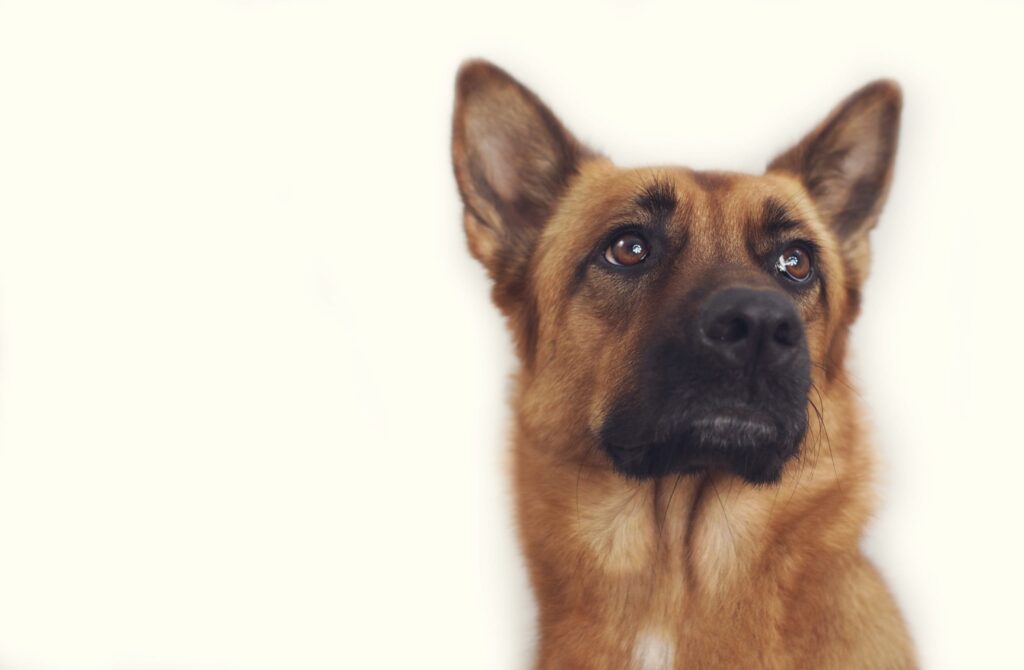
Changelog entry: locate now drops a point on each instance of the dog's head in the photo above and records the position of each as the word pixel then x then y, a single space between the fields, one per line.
pixel 680 320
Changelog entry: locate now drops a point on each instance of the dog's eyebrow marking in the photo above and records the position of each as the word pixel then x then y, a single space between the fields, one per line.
pixel 776 218
pixel 657 198
pixel 772 225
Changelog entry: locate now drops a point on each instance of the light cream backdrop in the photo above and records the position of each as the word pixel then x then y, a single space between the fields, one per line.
pixel 251 387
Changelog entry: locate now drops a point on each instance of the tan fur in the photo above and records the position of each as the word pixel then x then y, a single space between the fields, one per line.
pixel 697 571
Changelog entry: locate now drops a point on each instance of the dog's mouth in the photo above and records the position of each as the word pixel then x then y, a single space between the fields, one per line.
pixel 750 443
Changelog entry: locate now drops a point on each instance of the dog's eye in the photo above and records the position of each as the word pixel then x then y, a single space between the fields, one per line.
pixel 796 263
pixel 627 249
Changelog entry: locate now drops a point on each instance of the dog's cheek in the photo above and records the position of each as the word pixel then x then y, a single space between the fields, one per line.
pixel 818 336
pixel 612 362
pixel 828 329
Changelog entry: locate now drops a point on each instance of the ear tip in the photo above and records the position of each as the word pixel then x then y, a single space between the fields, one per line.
pixel 476 72
pixel 887 90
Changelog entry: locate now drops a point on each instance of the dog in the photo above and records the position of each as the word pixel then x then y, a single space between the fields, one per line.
pixel 691 473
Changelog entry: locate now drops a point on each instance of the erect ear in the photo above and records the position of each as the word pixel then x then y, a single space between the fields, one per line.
pixel 846 163
pixel 513 160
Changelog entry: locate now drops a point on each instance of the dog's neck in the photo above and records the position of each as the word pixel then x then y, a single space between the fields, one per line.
pixel 633 555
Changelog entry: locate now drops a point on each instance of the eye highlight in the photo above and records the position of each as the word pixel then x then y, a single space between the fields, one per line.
pixel 627 250
pixel 795 263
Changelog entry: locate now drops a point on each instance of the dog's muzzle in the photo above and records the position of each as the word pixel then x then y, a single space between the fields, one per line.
pixel 723 385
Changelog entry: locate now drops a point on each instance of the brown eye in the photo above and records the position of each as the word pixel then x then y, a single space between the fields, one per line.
pixel 796 263
pixel 627 249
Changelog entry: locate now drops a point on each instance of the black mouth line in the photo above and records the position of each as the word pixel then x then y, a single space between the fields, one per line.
pixel 755 425
pixel 725 423
pixel 750 443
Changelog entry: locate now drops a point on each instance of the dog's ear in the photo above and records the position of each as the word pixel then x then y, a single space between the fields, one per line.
pixel 846 163
pixel 513 160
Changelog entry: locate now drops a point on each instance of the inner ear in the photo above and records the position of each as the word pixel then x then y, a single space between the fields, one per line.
pixel 513 160
pixel 846 163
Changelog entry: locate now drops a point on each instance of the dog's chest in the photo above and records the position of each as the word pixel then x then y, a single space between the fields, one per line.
pixel 653 650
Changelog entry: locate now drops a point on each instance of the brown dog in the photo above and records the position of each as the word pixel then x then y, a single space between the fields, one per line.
pixel 691 477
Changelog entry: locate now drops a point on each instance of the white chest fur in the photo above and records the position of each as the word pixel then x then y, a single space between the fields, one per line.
pixel 653 651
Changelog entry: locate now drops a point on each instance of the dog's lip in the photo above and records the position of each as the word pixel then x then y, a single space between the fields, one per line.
pixel 732 421
pixel 755 424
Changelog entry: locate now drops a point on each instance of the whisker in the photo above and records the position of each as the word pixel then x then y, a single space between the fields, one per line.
pixel 771 511
pixel 799 475
pixel 668 508
pixel 725 514
pixel 828 440
pixel 661 527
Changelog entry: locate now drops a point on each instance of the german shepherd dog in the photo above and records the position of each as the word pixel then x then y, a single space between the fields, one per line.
pixel 690 470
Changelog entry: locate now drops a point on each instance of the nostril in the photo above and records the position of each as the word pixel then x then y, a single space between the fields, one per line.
pixel 786 333
pixel 750 328
pixel 730 330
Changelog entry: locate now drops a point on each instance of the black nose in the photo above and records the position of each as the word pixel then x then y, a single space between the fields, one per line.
pixel 745 327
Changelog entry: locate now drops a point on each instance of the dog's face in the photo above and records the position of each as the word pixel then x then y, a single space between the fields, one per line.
pixel 700 300
pixel 678 320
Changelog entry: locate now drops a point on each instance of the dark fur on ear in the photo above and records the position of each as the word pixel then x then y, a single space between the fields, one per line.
pixel 513 160
pixel 846 163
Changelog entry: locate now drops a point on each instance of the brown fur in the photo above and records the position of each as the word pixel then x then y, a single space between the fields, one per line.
pixel 696 571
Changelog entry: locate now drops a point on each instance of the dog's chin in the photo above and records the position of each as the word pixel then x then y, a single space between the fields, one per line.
pixel 753 447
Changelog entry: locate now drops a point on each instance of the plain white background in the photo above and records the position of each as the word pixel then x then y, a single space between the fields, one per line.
pixel 252 392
